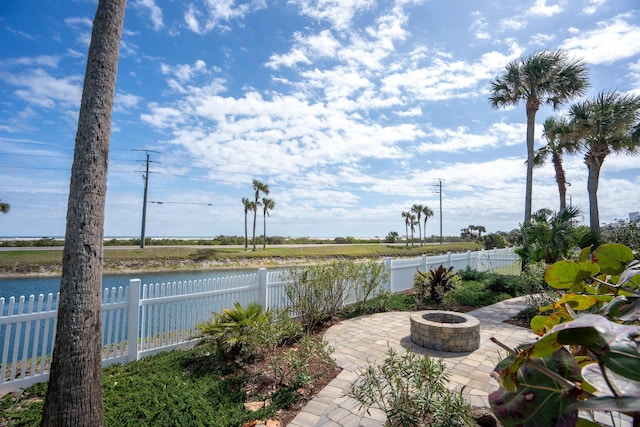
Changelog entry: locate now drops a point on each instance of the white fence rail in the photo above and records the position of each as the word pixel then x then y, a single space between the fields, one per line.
pixel 139 320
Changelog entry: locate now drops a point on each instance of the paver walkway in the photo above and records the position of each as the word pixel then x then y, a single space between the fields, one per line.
pixel 365 340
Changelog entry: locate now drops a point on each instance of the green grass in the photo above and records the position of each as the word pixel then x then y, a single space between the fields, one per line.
pixel 176 388
pixel 170 257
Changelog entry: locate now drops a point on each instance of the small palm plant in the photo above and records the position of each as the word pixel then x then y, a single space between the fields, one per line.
pixel 233 328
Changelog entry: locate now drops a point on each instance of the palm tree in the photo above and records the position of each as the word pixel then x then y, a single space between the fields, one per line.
pixel 267 205
pixel 258 187
pixel 417 209
pixel 545 77
pixel 407 221
pixel 74 392
pixel 428 213
pixel 248 207
pixel 550 236
pixel 480 229
pixel 556 132
pixel 413 222
pixel 5 207
pixel 609 123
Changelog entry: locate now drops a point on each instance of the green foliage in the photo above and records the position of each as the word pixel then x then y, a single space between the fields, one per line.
pixel 502 284
pixel 318 292
pixel 473 294
pixel 472 274
pixel 175 388
pixel 248 332
pixel 412 391
pixel 624 232
pixel 494 240
pixel 549 236
pixel 392 237
pixel 588 345
pixel 436 284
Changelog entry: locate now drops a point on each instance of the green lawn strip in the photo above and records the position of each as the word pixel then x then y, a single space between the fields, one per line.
pixel 32 261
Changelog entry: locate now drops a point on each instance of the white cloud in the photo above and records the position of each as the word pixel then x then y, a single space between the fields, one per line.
pixel 212 13
pixel 124 102
pixel 540 8
pixel 479 26
pixel 40 88
pixel 613 40
pixel 444 79
pixel 41 60
pixel 542 39
pixel 460 139
pixel 339 13
pixel 414 112
pixel 185 72
pixel 154 11
pixel 592 6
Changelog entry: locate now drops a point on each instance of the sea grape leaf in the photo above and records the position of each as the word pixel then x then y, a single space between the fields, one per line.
pixel 612 258
pixel 593 375
pixel 614 344
pixel 565 274
pixel 626 404
pixel 577 302
pixel 540 325
pixel 539 400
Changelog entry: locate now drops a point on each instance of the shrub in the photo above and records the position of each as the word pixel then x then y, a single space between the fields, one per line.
pixel 473 294
pixel 249 332
pixel 501 284
pixel 623 232
pixel 532 278
pixel 494 240
pixel 435 284
pixel 369 277
pixel 318 292
pixel 471 274
pixel 412 391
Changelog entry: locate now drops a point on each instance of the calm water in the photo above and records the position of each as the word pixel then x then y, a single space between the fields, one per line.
pixel 45 285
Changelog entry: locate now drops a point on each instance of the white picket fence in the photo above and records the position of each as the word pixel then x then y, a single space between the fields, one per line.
pixel 140 320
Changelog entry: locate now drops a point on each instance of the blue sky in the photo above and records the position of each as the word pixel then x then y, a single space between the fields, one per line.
pixel 350 110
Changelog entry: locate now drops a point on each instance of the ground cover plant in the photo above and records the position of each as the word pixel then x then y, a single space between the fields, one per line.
pixel 193 388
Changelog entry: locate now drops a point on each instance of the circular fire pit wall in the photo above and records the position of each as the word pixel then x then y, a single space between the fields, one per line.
pixel 445 331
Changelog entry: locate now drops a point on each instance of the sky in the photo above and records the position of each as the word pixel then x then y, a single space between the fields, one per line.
pixel 351 111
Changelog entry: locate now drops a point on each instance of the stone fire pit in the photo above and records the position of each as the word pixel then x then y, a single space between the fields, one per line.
pixel 445 331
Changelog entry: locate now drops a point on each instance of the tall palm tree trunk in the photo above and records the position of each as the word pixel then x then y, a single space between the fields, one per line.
pixel 532 108
pixel 593 165
pixel 246 232
pixel 264 229
pixel 561 180
pixel 406 234
pixel 74 394
pixel 255 216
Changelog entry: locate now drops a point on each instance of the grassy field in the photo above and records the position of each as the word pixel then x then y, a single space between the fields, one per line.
pixel 193 257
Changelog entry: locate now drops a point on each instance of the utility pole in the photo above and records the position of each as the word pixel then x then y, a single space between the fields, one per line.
pixel 440 193
pixel 144 201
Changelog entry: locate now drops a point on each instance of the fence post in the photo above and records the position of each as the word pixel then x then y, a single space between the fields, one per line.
pixel 262 282
pixel 134 320
pixel 469 259
pixel 423 262
pixel 387 267
pixel 449 262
